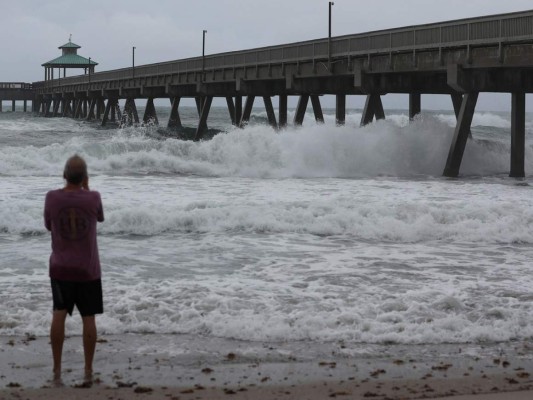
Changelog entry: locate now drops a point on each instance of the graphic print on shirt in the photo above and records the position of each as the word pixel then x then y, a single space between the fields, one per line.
pixel 74 223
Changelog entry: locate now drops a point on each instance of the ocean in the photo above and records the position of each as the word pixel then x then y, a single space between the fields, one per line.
pixel 315 234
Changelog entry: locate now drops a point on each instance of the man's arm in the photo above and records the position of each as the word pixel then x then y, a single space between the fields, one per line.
pixel 47 220
pixel 100 211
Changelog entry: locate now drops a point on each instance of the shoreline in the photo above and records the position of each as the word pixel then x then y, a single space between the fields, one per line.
pixel 189 367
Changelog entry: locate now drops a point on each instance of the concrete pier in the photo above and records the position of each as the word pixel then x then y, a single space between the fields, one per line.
pixel 455 58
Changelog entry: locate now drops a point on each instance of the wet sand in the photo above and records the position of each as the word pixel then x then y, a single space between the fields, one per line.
pixel 189 367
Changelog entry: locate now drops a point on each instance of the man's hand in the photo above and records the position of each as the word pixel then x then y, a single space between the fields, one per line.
pixel 85 183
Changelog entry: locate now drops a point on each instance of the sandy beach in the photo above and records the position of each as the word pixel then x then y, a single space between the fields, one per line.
pixel 188 367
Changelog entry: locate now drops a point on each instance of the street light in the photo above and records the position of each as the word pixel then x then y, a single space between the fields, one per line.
pixel 331 3
pixel 89 69
pixel 203 55
pixel 133 62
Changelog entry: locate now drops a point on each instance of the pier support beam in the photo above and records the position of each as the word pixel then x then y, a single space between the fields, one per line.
pixel 460 136
pixel 113 116
pixel 149 112
pixel 105 118
pixel 340 109
pixel 57 103
pixel 67 108
pixel 518 135
pixel 117 110
pixel 202 124
pixel 270 112
pixel 457 99
pixel 231 108
pixel 109 113
pixel 317 109
pixel 248 106
pixel 130 115
pixel 415 105
pixel 300 109
pixel 174 120
pixel 100 108
pixel 25 105
pixel 282 111
pixel 0 105
pixel 373 108
pixel 199 104
pixel 200 100
pixel 92 106
pixel 78 108
pixel 13 106
pixel 84 108
pixel 238 110
pixel 47 105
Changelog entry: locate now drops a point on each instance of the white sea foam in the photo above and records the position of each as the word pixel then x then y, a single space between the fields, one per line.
pixel 365 293
pixel 391 148
pixel 257 235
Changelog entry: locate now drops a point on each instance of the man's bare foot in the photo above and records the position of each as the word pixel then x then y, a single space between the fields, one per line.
pixel 88 378
pixel 56 379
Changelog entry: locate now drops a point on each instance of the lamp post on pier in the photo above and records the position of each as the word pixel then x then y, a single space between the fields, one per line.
pixel 133 62
pixel 331 3
pixel 203 55
pixel 89 69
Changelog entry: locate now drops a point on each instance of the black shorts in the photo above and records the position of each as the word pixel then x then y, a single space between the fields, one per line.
pixel 86 296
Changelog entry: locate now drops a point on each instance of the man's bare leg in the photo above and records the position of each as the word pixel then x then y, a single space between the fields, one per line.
pixel 89 343
pixel 57 337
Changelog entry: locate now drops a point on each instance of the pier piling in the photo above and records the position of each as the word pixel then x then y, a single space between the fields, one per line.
pixel 460 136
pixel 238 110
pixel 247 112
pixel 149 112
pixel 282 111
pixel 373 108
pixel 202 124
pixel 301 108
pixel 317 109
pixel 340 109
pixel 231 109
pixel 518 135
pixel 174 120
pixel 91 114
pixel 415 105
pixel 270 112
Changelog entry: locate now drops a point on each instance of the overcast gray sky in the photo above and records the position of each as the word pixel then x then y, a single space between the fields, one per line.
pixel 31 30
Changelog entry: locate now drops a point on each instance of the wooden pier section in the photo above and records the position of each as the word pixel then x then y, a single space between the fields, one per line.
pixel 459 59
pixel 16 91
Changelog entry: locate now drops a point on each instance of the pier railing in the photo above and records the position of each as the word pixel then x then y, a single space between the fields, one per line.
pixel 482 31
pixel 16 85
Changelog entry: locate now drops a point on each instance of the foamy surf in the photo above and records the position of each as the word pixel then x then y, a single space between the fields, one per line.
pixel 387 148
pixel 312 234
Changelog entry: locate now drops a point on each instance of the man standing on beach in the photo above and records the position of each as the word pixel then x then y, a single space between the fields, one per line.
pixel 71 214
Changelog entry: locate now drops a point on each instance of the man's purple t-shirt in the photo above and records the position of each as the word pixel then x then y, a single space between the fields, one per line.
pixel 71 216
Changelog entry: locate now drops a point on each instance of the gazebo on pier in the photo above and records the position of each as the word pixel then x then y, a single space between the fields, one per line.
pixel 69 59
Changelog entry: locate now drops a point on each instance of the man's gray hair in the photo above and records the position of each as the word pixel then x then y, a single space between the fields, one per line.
pixel 75 170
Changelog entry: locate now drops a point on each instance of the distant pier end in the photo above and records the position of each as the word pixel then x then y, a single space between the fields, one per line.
pixel 459 59
pixel 17 91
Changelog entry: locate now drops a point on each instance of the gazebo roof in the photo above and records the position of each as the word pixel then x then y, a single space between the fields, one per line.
pixel 69 60
pixel 69 45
